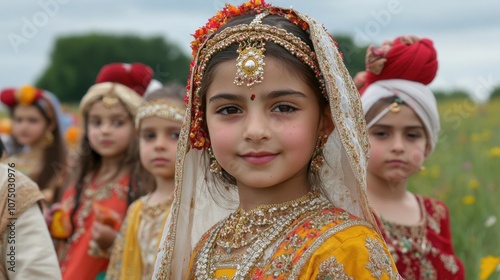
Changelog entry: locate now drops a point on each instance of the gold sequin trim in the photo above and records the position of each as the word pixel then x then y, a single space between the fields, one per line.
pixel 160 108
pixel 379 262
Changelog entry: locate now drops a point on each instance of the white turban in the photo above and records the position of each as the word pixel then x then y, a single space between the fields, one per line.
pixel 416 95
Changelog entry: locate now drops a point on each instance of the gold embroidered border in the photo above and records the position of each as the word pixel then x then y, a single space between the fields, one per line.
pixel 320 241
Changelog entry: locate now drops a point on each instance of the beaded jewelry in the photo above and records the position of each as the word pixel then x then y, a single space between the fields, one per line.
pixel 250 61
pixel 242 227
pixel 309 203
pixel 215 167
pixel 318 160
pixel 160 108
pixel 395 105
pixel 109 100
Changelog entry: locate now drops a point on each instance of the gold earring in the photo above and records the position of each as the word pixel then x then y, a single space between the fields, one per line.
pixel 215 167
pixel 318 159
pixel 422 168
pixel 49 138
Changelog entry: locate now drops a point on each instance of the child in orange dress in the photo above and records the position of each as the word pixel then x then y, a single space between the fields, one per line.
pixel 93 208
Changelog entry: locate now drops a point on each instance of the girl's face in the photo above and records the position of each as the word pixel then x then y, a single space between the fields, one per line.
pixel 158 145
pixel 29 125
pixel 263 136
pixel 398 146
pixel 110 129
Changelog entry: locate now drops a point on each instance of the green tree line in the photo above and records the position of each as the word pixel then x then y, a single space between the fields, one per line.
pixel 76 60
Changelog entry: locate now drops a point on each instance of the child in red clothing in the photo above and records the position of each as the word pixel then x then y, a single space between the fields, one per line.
pixel 403 126
pixel 94 207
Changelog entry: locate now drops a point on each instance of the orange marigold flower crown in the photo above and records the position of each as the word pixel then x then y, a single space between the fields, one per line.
pixel 202 50
pixel 25 95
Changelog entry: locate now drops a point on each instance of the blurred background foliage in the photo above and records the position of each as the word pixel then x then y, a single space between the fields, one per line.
pixel 76 60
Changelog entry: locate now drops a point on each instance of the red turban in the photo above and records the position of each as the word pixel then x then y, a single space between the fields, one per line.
pixel 136 76
pixel 408 60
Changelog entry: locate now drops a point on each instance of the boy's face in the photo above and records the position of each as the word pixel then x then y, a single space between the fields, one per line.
pixel 398 146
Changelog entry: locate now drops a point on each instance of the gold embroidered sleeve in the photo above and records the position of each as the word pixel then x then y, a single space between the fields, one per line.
pixel 354 253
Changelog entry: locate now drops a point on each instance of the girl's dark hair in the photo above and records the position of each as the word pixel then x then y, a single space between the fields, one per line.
pixel 175 93
pixel 294 64
pixel 54 155
pixel 89 162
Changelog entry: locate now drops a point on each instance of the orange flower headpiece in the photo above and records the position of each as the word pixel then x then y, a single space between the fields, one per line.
pixel 25 95
pixel 207 43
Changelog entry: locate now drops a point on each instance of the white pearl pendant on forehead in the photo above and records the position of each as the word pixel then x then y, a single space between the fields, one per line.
pixel 250 64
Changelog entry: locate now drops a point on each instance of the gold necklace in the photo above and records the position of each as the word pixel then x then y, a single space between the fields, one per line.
pixel 243 227
pixel 306 205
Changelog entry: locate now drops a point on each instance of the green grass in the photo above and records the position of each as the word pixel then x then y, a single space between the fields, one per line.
pixel 464 172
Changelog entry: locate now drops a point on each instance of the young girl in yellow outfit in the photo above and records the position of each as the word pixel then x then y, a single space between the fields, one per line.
pixel 158 123
pixel 275 117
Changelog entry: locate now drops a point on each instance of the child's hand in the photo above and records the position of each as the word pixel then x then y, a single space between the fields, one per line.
pixel 103 235
pixel 375 60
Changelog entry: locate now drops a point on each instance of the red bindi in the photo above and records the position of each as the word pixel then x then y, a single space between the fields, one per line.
pixel 252 97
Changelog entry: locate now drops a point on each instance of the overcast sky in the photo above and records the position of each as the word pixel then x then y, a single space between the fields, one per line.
pixel 466 33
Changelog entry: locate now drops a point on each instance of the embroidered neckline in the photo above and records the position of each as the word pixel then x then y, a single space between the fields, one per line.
pixel 205 268
pixel 407 239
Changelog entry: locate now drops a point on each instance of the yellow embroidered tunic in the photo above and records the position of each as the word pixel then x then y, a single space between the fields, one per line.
pixel 319 245
pixel 136 246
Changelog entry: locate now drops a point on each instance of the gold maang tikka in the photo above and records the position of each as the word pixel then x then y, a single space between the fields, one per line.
pixel 110 99
pixel 250 61
pixel 395 105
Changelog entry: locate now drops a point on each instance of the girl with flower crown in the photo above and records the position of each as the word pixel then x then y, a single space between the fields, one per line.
pixel 275 117
pixel 158 124
pixel 403 125
pixel 38 147
pixel 105 183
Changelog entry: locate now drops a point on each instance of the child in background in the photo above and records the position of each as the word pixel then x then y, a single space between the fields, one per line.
pixel 403 125
pixel 92 210
pixel 38 147
pixel 275 120
pixel 158 124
